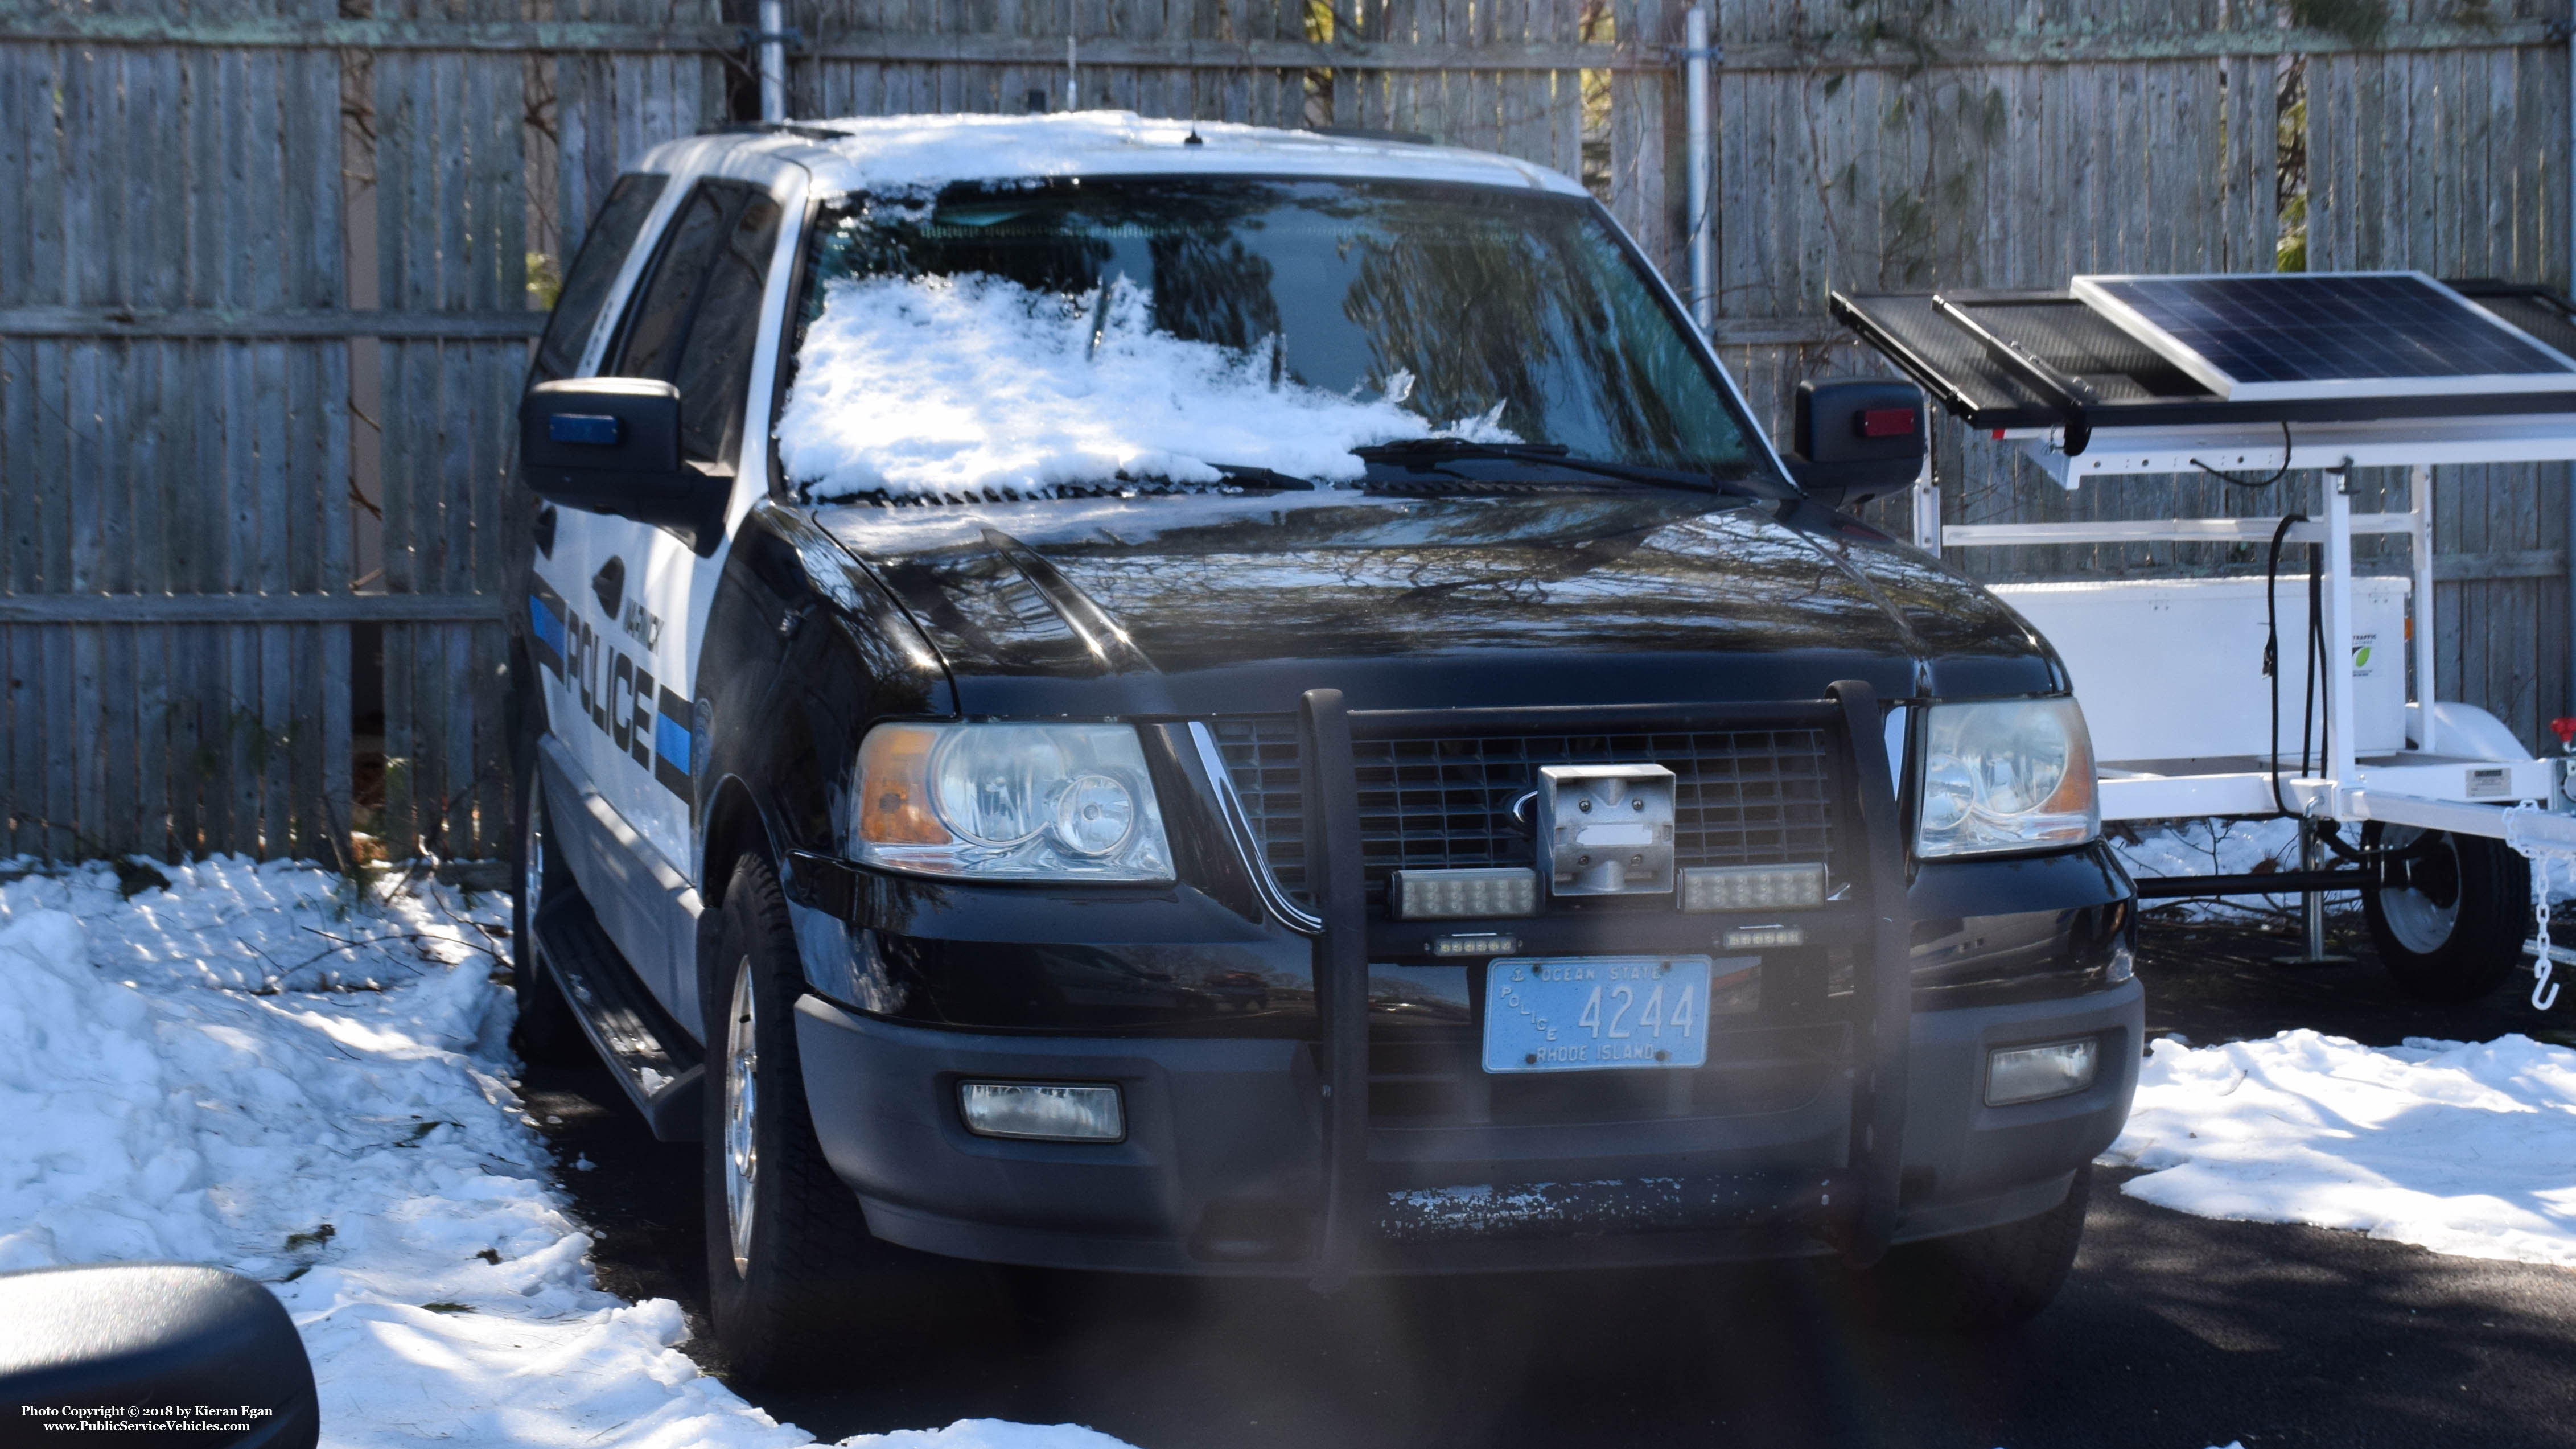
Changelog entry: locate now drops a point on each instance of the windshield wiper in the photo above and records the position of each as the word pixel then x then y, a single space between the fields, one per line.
pixel 1420 451
pixel 1254 476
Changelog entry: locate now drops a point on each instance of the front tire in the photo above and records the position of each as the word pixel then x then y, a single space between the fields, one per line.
pixel 546 1032
pixel 1989 1280
pixel 2448 924
pixel 795 1280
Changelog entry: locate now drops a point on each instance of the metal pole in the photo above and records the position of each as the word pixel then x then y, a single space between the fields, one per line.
pixel 2312 903
pixel 1703 265
pixel 1927 499
pixel 2340 765
pixel 2312 906
pixel 2419 507
pixel 773 60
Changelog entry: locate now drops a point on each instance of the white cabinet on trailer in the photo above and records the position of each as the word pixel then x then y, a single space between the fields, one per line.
pixel 2172 669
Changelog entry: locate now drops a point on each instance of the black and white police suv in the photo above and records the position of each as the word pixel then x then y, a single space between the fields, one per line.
pixel 1110 694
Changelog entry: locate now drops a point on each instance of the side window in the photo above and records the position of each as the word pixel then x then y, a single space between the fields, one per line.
pixel 585 288
pixel 657 320
pixel 715 367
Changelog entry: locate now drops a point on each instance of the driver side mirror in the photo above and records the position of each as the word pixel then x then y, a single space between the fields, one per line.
pixel 1854 439
pixel 153 1346
pixel 612 445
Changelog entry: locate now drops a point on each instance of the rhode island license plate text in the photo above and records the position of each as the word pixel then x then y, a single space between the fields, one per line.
pixel 1589 1013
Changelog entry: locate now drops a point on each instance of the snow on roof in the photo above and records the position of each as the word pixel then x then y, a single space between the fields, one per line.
pixel 913 153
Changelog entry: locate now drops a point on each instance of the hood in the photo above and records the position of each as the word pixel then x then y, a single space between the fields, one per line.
pixel 1191 604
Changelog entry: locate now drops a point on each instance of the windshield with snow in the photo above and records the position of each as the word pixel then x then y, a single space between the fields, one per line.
pixel 1075 333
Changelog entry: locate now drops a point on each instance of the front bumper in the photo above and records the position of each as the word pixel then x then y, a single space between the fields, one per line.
pixel 1219 1172
pixel 1376 1145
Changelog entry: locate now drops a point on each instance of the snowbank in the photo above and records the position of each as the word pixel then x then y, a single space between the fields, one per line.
pixel 2463 1148
pixel 949 384
pixel 266 1069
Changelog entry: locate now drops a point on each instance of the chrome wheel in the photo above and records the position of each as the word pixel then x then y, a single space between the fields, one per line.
pixel 2421 897
pixel 741 1089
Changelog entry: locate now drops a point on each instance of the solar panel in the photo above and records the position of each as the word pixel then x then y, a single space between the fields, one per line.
pixel 2327 335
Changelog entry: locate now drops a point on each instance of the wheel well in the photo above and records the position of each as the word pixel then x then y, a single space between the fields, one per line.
pixel 734 827
pixel 523 704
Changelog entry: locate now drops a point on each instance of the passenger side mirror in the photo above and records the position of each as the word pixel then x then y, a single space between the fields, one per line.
pixel 612 445
pixel 153 1346
pixel 1853 439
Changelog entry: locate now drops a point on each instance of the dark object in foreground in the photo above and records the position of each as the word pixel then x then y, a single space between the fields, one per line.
pixel 146 1346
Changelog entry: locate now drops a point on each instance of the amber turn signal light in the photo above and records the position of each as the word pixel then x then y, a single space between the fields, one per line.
pixel 894 787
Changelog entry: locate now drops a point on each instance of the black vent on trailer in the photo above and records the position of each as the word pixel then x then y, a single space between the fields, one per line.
pixel 1749 796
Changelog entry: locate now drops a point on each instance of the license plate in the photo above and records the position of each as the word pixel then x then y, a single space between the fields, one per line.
pixel 1596 1013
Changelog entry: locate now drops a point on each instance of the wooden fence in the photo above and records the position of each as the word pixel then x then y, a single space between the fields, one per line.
pixel 269 268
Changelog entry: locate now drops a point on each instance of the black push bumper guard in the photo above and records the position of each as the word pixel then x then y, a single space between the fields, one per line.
pixel 1855 1207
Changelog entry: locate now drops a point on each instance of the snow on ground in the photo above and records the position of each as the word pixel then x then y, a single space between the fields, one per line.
pixel 944 384
pixel 270 1069
pixel 2463 1148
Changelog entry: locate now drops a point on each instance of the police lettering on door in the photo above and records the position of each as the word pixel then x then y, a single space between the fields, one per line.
pixel 647 723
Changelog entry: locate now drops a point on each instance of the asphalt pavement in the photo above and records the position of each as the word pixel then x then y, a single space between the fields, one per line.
pixel 2174 1332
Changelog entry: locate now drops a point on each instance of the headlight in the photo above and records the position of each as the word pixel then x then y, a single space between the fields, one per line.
pixel 1010 802
pixel 2007 775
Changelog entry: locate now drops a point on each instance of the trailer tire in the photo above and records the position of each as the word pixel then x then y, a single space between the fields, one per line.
pixel 2449 925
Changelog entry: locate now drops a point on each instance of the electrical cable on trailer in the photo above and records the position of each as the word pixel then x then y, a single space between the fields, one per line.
pixel 2277 474
pixel 2272 653
pixel 2330 832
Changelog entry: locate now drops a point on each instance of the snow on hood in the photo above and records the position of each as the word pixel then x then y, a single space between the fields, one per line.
pixel 2463 1148
pixel 268 1069
pixel 933 385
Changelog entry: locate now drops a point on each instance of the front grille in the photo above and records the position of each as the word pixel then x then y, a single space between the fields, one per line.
pixel 1748 796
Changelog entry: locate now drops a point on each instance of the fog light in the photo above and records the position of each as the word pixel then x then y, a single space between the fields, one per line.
pixel 1753 887
pixel 1042 1111
pixel 1424 895
pixel 2029 1074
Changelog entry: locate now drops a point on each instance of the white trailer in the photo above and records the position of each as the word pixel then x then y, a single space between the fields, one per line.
pixel 2451 807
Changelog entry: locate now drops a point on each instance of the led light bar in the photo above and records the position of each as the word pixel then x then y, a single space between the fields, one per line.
pixel 1764 938
pixel 1490 944
pixel 1434 895
pixel 1753 887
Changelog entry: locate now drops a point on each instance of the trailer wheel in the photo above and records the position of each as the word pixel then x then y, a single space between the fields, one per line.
pixel 2448 924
